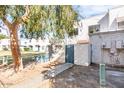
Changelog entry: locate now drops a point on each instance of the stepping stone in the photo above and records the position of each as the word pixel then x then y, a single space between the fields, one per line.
pixel 58 69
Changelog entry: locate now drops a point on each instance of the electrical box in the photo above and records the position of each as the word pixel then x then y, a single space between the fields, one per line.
pixel 123 44
pixel 103 44
pixel 106 45
pixel 119 44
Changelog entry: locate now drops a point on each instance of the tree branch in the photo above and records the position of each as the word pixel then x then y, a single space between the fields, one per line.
pixel 6 22
pixel 26 15
pixel 22 18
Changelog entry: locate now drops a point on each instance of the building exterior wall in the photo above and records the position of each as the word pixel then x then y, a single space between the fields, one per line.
pixel 113 14
pixel 107 22
pixel 82 54
pixel 104 23
pixel 27 43
pixel 83 30
pixel 108 47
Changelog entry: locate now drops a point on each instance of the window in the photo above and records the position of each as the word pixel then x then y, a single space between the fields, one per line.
pixel 30 40
pixel 25 42
pixel 76 31
pixel 21 36
pixel 31 46
pixel 43 47
pixel 94 28
pixel 121 25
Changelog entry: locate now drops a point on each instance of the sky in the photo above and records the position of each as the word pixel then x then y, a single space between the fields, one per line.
pixel 91 10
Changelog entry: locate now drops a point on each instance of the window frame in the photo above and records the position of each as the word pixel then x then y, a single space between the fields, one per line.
pixel 121 26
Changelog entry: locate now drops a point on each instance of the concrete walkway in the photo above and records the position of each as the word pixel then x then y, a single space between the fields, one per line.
pixel 30 83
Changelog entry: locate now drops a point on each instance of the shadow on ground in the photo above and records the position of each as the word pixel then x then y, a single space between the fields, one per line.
pixel 88 77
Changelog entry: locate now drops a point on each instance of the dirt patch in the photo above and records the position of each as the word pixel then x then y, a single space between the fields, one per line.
pixel 86 77
pixel 74 77
pixel 77 76
pixel 9 78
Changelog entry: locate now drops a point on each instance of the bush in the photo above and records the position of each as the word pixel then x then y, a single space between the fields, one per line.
pixel 91 31
pixel 5 49
pixel 26 49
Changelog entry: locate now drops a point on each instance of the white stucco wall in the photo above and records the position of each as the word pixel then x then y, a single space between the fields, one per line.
pixel 104 23
pixel 83 31
pixel 109 21
pixel 82 54
pixel 111 54
pixel 113 14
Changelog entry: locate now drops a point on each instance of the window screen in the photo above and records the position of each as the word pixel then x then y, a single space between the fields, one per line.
pixel 121 24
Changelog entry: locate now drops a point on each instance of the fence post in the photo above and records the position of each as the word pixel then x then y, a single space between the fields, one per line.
pixel 4 60
pixel 102 76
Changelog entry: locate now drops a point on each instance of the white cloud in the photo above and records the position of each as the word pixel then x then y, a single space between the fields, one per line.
pixel 90 10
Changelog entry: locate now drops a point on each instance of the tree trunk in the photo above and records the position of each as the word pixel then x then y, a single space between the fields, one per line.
pixel 14 44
